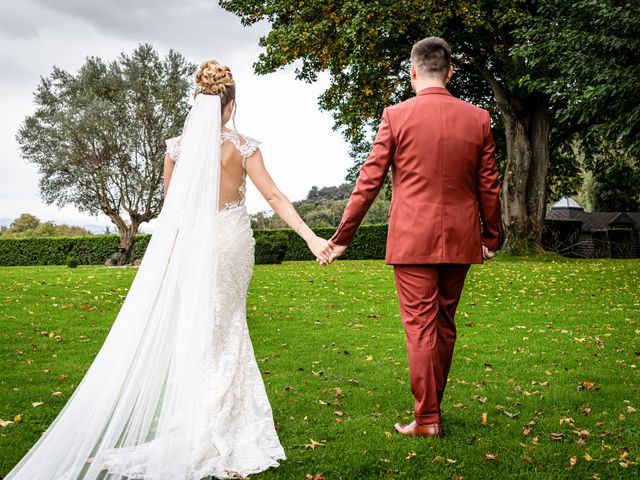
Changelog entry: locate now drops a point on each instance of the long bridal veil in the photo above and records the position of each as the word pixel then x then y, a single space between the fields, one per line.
pixel 143 396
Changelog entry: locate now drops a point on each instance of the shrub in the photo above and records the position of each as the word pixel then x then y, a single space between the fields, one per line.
pixel 72 262
pixel 270 249
pixel 272 246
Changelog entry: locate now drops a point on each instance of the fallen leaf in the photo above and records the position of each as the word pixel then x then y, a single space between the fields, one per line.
pixel 588 457
pixel 573 461
pixel 599 342
pixel 57 393
pixel 491 456
pixel 388 435
pixel 62 378
pixel 317 476
pixel 36 404
pixel 483 419
pixel 5 423
pixel 339 413
pixel 369 358
pixel 526 458
pixel 586 386
pixel 568 420
pixel 411 455
pixel 557 436
pixel 526 430
pixel 314 444
pixel 376 415
pixel 586 411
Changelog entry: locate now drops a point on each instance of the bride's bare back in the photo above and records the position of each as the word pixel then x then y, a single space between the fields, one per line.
pixel 235 149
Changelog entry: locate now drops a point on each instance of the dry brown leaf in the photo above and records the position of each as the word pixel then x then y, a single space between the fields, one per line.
pixel 57 393
pixel 586 411
pixel 5 423
pixel 557 436
pixel 483 419
pixel 339 413
pixel 572 462
pixel 491 456
pixel 314 444
pixel 568 420
pixel 526 458
pixel 36 404
pixel 411 455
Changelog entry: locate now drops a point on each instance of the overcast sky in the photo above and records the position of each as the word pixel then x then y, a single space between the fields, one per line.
pixel 299 146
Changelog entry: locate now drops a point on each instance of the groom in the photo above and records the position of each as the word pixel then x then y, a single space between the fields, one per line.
pixel 444 216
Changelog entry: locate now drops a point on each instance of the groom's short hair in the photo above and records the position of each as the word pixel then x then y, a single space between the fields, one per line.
pixel 431 56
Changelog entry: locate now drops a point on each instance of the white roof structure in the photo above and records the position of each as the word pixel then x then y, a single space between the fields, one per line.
pixel 567 202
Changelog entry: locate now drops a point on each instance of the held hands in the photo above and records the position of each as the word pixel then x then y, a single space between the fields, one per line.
pixel 321 249
pixel 325 251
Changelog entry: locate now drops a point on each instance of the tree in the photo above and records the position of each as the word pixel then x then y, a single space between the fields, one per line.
pixel 27 225
pixel 365 47
pixel 586 55
pixel 616 185
pixel 97 137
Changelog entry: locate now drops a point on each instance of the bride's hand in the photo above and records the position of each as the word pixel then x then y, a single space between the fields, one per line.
pixel 320 248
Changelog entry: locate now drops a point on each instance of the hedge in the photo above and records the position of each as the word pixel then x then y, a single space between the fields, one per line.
pixel 561 234
pixel 369 243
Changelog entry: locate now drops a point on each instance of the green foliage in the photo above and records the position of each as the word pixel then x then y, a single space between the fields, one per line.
pixel 27 225
pixel 88 250
pixel 528 333
pixel 272 246
pixel 72 262
pixel 270 249
pixel 324 207
pixel 587 54
pixel 616 174
pixel 98 136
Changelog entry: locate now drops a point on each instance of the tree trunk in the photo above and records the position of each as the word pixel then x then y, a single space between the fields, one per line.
pixel 127 244
pixel 527 125
pixel 127 235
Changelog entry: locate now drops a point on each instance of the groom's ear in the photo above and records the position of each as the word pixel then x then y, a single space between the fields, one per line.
pixel 414 73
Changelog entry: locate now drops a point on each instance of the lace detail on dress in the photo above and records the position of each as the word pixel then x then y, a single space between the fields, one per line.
pixel 173 148
pixel 247 146
pixel 246 149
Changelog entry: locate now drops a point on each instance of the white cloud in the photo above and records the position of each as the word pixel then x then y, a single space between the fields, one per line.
pixel 299 146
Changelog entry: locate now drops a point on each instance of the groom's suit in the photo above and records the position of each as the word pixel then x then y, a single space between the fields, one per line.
pixel 445 205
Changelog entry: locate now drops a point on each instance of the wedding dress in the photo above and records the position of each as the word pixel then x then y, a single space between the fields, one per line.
pixel 175 392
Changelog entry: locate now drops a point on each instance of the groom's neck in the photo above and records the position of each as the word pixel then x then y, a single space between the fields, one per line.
pixel 421 84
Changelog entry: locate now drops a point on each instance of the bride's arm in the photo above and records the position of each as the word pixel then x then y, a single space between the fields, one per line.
pixel 282 206
pixel 167 172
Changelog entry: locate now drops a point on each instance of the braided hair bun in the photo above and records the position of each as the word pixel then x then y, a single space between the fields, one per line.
pixel 213 78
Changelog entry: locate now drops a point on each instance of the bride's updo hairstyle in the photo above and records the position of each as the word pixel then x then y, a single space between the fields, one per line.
pixel 213 78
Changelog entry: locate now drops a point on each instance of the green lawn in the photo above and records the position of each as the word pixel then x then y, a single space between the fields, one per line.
pixel 331 348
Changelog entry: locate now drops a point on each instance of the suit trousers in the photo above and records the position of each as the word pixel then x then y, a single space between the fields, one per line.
pixel 429 296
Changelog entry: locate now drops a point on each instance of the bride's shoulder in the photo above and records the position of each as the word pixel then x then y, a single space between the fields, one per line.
pixel 244 144
pixel 173 147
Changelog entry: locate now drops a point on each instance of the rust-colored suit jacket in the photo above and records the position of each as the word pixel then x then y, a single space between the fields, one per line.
pixel 445 201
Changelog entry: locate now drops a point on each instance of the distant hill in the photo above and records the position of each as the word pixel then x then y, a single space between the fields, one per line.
pixel 323 207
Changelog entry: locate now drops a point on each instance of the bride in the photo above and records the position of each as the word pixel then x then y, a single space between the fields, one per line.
pixel 175 392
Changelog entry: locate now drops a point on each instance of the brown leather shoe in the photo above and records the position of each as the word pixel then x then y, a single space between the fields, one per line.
pixel 415 430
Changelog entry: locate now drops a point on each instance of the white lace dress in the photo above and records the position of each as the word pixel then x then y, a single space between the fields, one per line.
pixel 238 435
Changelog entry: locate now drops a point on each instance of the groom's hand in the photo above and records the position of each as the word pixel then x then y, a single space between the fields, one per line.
pixel 337 251
pixel 486 253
